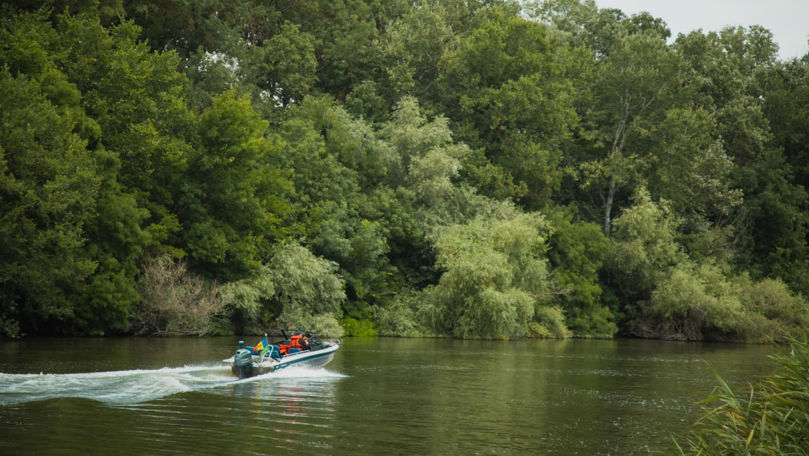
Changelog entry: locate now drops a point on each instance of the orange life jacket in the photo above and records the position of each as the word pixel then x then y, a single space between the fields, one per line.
pixel 295 341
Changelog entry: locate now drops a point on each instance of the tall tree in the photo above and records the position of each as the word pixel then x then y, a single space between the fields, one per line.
pixel 63 189
pixel 740 82
pixel 233 203
pixel 633 88
pixel 508 90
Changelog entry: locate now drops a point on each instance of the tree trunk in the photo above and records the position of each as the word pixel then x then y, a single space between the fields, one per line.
pixel 608 205
pixel 616 148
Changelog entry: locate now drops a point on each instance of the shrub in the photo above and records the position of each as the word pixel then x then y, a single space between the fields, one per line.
pixel 549 322
pixel 772 299
pixel 697 302
pixel 305 283
pixel 358 328
pixel 245 303
pixel 9 328
pixel 325 325
pixel 173 301
pixel 593 321
pixel 400 317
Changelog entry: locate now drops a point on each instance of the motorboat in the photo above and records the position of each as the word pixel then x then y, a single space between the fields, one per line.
pixel 300 349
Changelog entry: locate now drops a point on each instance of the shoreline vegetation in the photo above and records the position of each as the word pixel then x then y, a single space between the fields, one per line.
pixel 491 170
pixel 770 418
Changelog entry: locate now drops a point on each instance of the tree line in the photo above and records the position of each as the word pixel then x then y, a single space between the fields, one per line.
pixel 473 169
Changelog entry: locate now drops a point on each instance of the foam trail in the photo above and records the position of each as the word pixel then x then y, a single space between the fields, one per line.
pixel 135 386
pixel 303 372
pixel 295 374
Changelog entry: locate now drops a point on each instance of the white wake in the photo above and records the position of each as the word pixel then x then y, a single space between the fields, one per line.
pixel 136 386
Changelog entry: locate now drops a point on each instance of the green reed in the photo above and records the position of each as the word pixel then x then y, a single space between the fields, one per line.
pixel 772 418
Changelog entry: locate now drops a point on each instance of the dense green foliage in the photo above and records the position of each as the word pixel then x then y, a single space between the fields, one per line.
pixel 770 419
pixel 476 169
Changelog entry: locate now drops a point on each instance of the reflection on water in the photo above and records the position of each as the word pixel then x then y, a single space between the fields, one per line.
pixel 289 413
pixel 378 396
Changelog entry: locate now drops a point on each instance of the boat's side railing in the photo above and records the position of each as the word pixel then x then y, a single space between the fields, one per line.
pixel 263 356
pixel 267 355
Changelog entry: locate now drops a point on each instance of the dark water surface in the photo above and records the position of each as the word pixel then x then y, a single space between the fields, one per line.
pixel 378 397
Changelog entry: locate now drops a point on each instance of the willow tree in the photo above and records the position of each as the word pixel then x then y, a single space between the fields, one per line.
pixel 495 282
pixel 294 289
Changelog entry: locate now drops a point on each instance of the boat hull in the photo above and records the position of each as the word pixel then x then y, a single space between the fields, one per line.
pixel 315 358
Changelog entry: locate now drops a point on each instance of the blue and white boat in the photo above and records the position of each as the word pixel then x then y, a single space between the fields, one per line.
pixel 301 349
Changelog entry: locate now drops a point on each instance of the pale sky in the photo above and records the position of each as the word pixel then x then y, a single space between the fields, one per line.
pixel 788 20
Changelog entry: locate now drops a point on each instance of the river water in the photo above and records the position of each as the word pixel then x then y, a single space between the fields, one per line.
pixel 137 396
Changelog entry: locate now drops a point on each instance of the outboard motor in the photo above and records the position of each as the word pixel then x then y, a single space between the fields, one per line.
pixel 243 363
